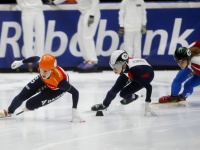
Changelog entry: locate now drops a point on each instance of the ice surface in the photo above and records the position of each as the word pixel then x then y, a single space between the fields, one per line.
pixel 176 126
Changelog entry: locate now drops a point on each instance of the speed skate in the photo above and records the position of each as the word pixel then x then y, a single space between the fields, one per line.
pixel 139 96
pixel 92 111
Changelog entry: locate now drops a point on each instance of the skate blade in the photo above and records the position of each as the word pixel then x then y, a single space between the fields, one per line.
pixel 118 105
pixel 5 117
pixel 181 102
pixel 91 111
pixel 88 111
pixel 121 105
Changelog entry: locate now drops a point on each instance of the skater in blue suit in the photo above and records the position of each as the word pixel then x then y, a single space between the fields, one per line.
pixel 188 60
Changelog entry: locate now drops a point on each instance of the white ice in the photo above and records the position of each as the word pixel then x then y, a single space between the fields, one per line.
pixel 176 126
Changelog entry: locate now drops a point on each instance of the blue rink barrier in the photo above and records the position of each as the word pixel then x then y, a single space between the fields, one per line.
pixel 167 29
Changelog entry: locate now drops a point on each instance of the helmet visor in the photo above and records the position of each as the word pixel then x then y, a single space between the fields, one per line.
pixel 179 59
pixel 116 66
pixel 44 70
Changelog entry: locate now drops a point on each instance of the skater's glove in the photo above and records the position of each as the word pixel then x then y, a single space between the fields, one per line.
pixel 148 109
pixel 76 115
pixel 90 20
pixel 50 2
pixel 16 64
pixel 143 29
pixel 121 31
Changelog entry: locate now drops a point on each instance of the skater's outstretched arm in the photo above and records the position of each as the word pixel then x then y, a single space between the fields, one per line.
pixel 18 63
pixel 33 59
pixel 66 86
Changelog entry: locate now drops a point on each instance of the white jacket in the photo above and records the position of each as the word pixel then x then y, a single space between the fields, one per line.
pixel 30 6
pixel 85 5
pixel 132 15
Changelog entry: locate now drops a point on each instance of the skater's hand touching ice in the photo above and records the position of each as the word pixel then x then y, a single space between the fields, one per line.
pixel 148 109
pixel 76 115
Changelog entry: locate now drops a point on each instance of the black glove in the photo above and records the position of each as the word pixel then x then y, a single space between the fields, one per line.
pixel 50 2
pixel 121 31
pixel 90 20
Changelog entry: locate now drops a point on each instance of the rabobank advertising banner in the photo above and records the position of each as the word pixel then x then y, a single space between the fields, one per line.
pixel 168 27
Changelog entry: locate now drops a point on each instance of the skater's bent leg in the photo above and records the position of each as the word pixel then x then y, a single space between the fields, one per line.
pixel 43 98
pixel 189 85
pixel 109 97
pixel 128 92
pixel 29 90
pixel 179 79
pixel 17 101
pixel 120 83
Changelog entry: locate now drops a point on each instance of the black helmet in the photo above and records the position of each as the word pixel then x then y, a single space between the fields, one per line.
pixel 182 53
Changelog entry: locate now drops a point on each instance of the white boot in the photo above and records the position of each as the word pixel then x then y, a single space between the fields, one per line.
pixel 4 113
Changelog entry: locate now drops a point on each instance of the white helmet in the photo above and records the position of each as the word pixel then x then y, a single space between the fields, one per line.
pixel 118 58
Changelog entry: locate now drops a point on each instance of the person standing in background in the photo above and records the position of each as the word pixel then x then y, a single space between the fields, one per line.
pixel 132 21
pixel 87 25
pixel 32 19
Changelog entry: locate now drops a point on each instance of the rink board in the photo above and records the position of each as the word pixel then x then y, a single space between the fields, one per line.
pixel 169 26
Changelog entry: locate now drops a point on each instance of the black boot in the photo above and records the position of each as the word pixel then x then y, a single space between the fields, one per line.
pixel 125 102
pixel 98 107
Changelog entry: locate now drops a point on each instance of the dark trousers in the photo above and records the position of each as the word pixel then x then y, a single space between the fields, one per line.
pixel 126 87
pixel 37 95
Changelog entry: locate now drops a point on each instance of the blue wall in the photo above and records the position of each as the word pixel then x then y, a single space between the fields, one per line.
pixel 167 29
